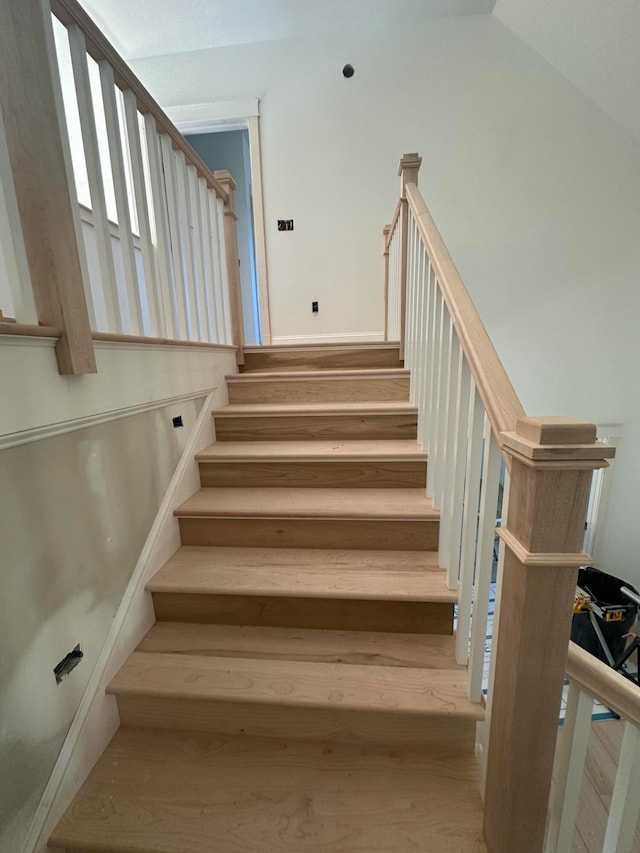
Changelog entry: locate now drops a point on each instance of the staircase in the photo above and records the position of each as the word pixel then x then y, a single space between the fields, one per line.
pixel 299 690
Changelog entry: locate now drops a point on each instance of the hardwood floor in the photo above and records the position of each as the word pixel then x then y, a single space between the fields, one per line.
pixel 171 792
pixel 597 787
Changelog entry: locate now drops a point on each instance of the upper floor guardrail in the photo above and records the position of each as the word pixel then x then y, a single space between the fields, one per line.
pixel 158 258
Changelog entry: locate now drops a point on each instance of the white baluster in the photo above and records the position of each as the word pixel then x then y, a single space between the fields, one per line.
pixel 448 476
pixel 125 229
pixel 393 289
pixel 469 523
pixel 443 396
pixel 186 243
pixel 571 752
pixel 398 302
pixel 12 242
pixel 226 296
pixel 207 255
pixel 171 189
pixel 415 298
pixel 193 216
pixel 410 291
pixel 458 465
pixel 484 729
pixel 441 413
pixel 155 322
pixel 484 559
pixel 421 309
pixel 159 225
pixel 110 296
pixel 218 282
pixel 423 412
pixel 431 424
pixel 625 803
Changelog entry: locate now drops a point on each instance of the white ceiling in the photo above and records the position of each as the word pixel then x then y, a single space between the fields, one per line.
pixel 143 28
pixel 594 43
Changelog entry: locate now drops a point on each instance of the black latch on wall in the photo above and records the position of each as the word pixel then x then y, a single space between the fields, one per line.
pixel 68 664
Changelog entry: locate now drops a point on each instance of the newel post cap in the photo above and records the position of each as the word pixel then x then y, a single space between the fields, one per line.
pixel 556 430
pixel 224 176
pixel 539 441
pixel 225 179
pixel 408 170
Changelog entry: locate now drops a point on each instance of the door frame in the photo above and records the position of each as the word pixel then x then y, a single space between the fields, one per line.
pixel 219 116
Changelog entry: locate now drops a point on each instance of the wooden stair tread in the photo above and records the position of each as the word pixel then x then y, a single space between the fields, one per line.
pixel 155 791
pixel 348 345
pixel 299 375
pixel 331 451
pixel 300 574
pixel 402 504
pixel 424 651
pixel 345 687
pixel 334 409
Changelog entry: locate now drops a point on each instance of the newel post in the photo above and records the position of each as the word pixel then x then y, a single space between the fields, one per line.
pixel 408 174
pixel 31 105
pixel 225 178
pixel 385 234
pixel 552 460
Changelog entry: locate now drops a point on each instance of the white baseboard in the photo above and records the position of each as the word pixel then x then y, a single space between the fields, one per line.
pixel 96 719
pixel 340 338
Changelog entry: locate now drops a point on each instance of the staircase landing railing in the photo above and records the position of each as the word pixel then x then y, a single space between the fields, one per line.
pixel 159 259
pixel 486 461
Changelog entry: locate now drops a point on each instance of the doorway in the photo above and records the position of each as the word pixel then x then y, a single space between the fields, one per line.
pixel 229 149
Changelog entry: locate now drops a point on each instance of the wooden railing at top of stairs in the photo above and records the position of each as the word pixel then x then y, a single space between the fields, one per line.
pixel 189 289
pixel 470 418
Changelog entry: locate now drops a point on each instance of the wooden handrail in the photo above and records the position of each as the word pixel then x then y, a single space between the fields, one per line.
pixel 26 330
pixel 604 684
pixel 111 337
pixel 392 227
pixel 71 12
pixel 498 395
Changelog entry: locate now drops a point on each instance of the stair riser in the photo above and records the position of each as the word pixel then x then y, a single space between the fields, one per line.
pixel 357 389
pixel 333 360
pixel 409 617
pixel 329 474
pixel 420 535
pixel 435 734
pixel 304 427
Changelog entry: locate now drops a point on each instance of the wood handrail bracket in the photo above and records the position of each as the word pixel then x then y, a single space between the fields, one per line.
pixel 71 12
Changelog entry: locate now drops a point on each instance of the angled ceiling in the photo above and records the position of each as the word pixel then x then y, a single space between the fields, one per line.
pixel 594 43
pixel 146 28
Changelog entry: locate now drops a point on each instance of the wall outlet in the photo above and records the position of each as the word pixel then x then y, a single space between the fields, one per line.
pixel 314 307
pixel 285 224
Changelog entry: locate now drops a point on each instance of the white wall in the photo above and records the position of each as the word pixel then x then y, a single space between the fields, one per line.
pixel 536 191
pixel 594 44
pixel 85 463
